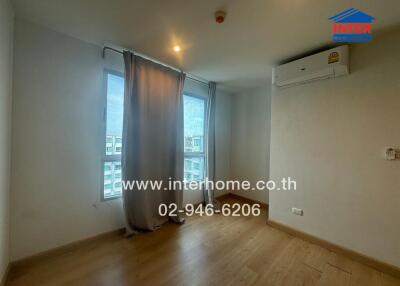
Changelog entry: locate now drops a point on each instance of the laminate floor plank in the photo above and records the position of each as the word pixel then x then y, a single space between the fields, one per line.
pixel 215 250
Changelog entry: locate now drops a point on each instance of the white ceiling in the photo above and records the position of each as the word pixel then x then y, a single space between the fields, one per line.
pixel 238 53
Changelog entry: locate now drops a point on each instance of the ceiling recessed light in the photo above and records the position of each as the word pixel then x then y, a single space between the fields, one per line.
pixel 177 49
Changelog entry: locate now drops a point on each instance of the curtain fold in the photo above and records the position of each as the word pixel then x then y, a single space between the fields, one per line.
pixel 152 140
pixel 208 193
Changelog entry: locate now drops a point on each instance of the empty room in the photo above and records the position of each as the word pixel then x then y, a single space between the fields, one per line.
pixel 224 142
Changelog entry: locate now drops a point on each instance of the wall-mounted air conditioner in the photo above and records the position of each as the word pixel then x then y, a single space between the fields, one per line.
pixel 327 64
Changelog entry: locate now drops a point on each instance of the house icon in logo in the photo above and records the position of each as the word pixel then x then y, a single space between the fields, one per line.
pixel 352 25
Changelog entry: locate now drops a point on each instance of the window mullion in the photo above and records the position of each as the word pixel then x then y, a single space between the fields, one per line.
pixel 194 154
pixel 112 158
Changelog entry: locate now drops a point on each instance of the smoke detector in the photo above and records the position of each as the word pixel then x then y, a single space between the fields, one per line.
pixel 220 16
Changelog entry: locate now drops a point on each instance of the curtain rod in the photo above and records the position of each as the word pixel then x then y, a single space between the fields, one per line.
pixel 158 62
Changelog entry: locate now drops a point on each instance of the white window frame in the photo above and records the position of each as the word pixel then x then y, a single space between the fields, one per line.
pixel 107 158
pixel 188 155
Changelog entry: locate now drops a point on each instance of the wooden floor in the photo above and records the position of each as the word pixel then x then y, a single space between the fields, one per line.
pixel 214 250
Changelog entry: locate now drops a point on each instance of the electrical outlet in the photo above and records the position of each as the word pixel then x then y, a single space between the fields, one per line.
pixel 297 211
pixel 392 153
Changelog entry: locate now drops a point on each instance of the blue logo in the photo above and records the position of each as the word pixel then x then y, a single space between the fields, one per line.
pixel 352 26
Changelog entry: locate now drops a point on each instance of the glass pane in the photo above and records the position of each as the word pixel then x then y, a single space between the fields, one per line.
pixel 194 169
pixel 112 179
pixel 194 113
pixel 115 107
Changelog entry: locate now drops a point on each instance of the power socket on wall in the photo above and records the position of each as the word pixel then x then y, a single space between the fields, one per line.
pixel 392 153
pixel 297 211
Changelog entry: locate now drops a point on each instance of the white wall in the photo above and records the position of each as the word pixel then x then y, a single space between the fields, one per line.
pixel 250 139
pixel 56 156
pixel 330 136
pixel 6 56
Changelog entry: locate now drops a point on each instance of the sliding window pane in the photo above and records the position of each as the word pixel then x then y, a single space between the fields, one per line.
pixel 194 169
pixel 113 135
pixel 112 179
pixel 194 118
pixel 115 107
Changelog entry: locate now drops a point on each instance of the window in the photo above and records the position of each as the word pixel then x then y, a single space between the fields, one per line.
pixel 114 87
pixel 194 130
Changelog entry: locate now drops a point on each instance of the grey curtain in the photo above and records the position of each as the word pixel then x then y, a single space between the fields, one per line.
pixel 209 197
pixel 152 139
